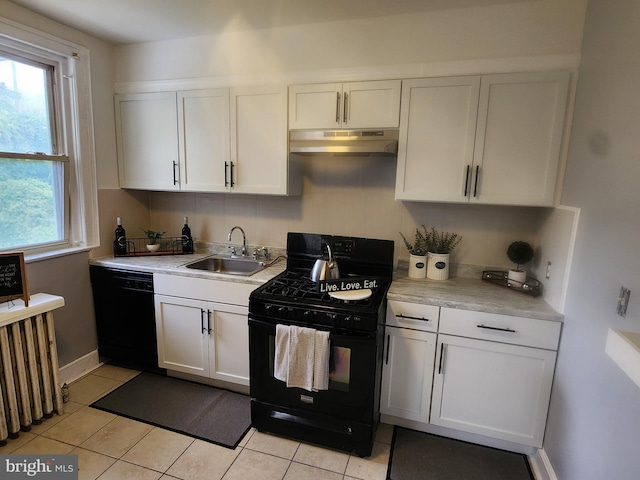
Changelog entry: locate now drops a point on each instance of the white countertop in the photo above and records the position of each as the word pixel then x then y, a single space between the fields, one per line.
pixel 457 292
pixel 470 294
pixel 176 265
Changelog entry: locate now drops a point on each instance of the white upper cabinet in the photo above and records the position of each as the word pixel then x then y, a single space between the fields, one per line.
pixel 259 161
pixel 214 140
pixel 494 139
pixel 203 121
pixel 437 132
pixel 374 104
pixel 521 120
pixel 147 134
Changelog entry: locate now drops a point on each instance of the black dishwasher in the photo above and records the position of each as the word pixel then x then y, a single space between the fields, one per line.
pixel 125 317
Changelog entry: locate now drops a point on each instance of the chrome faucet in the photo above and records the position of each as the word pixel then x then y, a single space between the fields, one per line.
pixel 244 241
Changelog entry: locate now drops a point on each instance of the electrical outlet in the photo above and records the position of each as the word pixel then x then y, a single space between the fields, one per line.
pixel 623 301
pixel 548 274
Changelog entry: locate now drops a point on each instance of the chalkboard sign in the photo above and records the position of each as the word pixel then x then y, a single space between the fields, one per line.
pixel 13 278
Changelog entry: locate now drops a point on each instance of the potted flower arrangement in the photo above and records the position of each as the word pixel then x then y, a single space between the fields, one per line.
pixel 430 248
pixel 440 248
pixel 519 252
pixel 153 236
pixel 418 252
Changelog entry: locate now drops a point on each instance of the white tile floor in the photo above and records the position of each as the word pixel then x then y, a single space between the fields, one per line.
pixel 112 447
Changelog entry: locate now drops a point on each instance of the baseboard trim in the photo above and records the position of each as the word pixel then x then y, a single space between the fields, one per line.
pixel 541 466
pixel 79 367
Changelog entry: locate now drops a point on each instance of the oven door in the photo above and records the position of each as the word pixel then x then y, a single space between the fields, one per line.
pixel 352 378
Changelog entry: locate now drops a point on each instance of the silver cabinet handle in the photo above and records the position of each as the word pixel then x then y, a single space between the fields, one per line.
pixel 406 317
pixel 441 359
pixel 202 320
pixel 388 346
pixel 209 329
pixel 466 181
pixel 232 182
pixel 344 110
pixel 226 177
pixel 500 329
pixel 337 107
pixel 175 178
pixel 475 185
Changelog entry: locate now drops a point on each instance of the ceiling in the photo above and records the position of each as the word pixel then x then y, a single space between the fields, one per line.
pixel 135 21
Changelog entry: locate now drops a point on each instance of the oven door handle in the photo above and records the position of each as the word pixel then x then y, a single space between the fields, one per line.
pixel 354 336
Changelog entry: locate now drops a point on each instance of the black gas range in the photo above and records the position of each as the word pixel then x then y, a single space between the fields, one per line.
pixel 345 415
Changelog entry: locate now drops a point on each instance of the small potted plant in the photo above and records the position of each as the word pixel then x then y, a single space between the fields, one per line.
pixel 153 236
pixel 519 253
pixel 418 252
pixel 441 244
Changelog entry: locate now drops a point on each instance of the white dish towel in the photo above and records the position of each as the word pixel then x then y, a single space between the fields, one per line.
pixel 281 356
pixel 301 357
pixel 321 361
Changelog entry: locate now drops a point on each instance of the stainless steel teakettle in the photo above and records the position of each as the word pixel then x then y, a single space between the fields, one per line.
pixel 325 269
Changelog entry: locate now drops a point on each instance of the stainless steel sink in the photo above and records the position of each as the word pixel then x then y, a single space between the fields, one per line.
pixel 232 266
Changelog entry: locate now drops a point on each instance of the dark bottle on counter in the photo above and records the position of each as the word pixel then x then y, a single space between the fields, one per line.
pixel 187 241
pixel 120 245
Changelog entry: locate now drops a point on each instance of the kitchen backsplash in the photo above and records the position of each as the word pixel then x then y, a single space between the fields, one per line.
pixel 354 197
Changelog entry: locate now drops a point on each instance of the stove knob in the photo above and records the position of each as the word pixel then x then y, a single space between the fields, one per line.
pixel 268 309
pixel 285 312
pixel 346 322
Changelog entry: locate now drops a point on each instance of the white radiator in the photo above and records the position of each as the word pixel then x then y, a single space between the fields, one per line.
pixel 29 376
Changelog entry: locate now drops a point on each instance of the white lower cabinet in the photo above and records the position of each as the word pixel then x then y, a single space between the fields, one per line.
pixel 487 375
pixel 493 389
pixel 407 373
pixel 203 336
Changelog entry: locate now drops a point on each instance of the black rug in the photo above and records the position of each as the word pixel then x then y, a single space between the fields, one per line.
pixel 422 456
pixel 200 411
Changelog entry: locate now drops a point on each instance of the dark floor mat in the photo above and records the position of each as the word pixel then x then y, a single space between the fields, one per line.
pixel 422 456
pixel 204 412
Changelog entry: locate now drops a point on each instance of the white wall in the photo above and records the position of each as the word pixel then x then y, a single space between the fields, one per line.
pixel 356 196
pixel 501 30
pixel 593 428
pixel 68 276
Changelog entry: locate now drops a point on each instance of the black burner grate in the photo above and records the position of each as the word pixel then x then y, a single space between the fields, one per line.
pixel 297 286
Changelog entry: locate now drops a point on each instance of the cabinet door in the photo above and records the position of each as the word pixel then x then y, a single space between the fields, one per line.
pixel 259 157
pixel 229 344
pixel 183 342
pixel 203 121
pixel 371 104
pixel 437 131
pixel 315 106
pixel 493 389
pixel 407 373
pixel 521 120
pixel 147 141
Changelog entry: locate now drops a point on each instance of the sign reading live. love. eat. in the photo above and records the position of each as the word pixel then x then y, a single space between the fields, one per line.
pixel 13 278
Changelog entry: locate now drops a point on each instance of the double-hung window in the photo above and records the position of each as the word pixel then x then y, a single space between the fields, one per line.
pixel 44 195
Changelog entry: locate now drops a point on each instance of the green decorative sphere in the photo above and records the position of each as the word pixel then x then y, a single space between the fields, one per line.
pixel 520 253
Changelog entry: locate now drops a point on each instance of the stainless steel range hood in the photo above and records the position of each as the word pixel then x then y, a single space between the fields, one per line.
pixel 344 142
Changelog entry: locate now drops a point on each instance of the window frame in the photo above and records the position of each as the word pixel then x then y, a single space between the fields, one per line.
pixel 72 140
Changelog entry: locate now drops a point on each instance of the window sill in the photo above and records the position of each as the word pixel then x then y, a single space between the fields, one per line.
pixel 62 252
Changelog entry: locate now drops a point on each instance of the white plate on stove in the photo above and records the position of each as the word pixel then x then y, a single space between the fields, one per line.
pixel 352 294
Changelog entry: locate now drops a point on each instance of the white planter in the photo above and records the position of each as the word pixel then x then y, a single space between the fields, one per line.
pixel 153 248
pixel 417 266
pixel 518 277
pixel 438 266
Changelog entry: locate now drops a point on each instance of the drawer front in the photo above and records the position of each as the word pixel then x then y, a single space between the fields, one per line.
pixel 500 328
pixel 413 315
pixel 203 289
